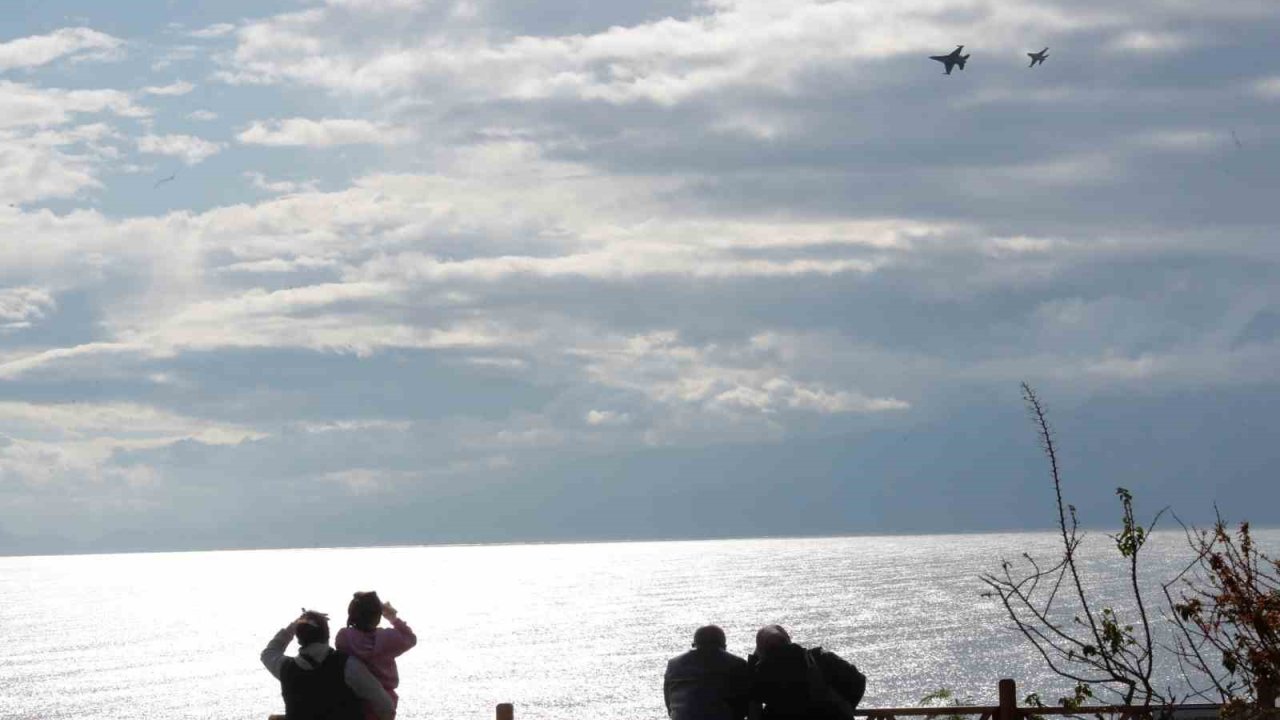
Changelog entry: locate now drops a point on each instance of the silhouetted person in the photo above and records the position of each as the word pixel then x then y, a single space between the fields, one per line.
pixel 706 683
pixel 376 647
pixel 789 682
pixel 322 683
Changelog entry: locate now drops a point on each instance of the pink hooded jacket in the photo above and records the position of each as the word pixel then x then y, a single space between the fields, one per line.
pixel 378 649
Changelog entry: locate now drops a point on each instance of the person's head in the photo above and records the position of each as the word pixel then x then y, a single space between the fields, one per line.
pixel 364 611
pixel 771 637
pixel 312 627
pixel 708 636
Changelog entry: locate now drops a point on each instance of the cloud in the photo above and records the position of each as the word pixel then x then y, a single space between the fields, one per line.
pixel 216 30
pixel 607 418
pixel 118 424
pixel 618 232
pixel 321 133
pixel 20 306
pixel 176 88
pixel 731 44
pixel 77 43
pixel 260 182
pixel 1184 140
pixel 379 6
pixel 1267 88
pixel 190 149
pixel 1144 41
pixel 717 380
pixel 25 105
pixel 43 164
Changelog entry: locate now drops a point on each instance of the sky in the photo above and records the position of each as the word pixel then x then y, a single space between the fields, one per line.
pixel 344 272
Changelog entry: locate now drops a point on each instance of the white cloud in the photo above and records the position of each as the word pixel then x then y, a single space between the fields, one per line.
pixel 191 150
pixel 607 418
pixel 1184 140
pixel 368 481
pixel 79 43
pixel 260 182
pixel 20 306
pixel 1267 88
pixel 202 115
pixel 56 163
pixel 281 265
pixel 715 379
pixel 378 5
pixel 179 87
pixel 1147 41
pixel 174 55
pixel 754 44
pixel 213 31
pixel 321 133
pixel 25 105
pixel 119 424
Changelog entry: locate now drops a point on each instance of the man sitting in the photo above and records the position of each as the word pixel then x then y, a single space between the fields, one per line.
pixel 790 682
pixel 322 683
pixel 706 683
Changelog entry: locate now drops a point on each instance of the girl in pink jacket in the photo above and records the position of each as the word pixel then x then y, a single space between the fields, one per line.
pixel 377 647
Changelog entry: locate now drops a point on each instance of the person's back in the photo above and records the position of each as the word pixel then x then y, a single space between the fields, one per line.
pixel 780 683
pixel 321 683
pixel 790 682
pixel 376 647
pixel 707 682
pixel 319 693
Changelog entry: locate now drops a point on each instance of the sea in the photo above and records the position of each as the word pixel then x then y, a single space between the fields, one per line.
pixel 563 631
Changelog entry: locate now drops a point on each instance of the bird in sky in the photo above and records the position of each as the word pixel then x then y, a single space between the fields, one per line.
pixel 1038 57
pixel 162 181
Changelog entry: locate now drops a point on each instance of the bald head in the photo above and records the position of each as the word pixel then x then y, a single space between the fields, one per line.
pixel 709 636
pixel 771 637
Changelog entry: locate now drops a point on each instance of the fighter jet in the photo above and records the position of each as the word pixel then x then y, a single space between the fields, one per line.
pixel 1038 57
pixel 955 58
pixel 162 181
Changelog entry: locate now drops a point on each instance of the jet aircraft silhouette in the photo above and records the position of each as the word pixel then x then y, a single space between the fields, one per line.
pixel 162 181
pixel 1038 57
pixel 951 60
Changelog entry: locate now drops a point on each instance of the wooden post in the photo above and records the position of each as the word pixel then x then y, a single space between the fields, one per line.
pixel 506 711
pixel 1008 700
pixel 1266 689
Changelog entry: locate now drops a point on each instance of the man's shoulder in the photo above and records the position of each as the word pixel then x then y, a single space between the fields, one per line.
pixel 825 655
pixel 704 658
pixel 682 659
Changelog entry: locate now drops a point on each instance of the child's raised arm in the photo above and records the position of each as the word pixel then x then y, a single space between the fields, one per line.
pixel 399 637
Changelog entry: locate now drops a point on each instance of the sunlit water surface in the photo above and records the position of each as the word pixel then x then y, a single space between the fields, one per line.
pixel 566 632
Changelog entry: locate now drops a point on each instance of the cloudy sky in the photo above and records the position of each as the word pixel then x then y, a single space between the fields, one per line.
pixel 381 271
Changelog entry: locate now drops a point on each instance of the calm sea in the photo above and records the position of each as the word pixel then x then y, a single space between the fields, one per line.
pixel 566 632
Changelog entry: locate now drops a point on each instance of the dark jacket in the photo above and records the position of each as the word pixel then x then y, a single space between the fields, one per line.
pixel 706 684
pixel 320 693
pixel 789 688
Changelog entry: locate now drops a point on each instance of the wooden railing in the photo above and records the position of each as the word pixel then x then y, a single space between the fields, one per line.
pixel 1008 709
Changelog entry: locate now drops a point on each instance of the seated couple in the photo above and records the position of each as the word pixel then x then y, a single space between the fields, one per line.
pixel 779 681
